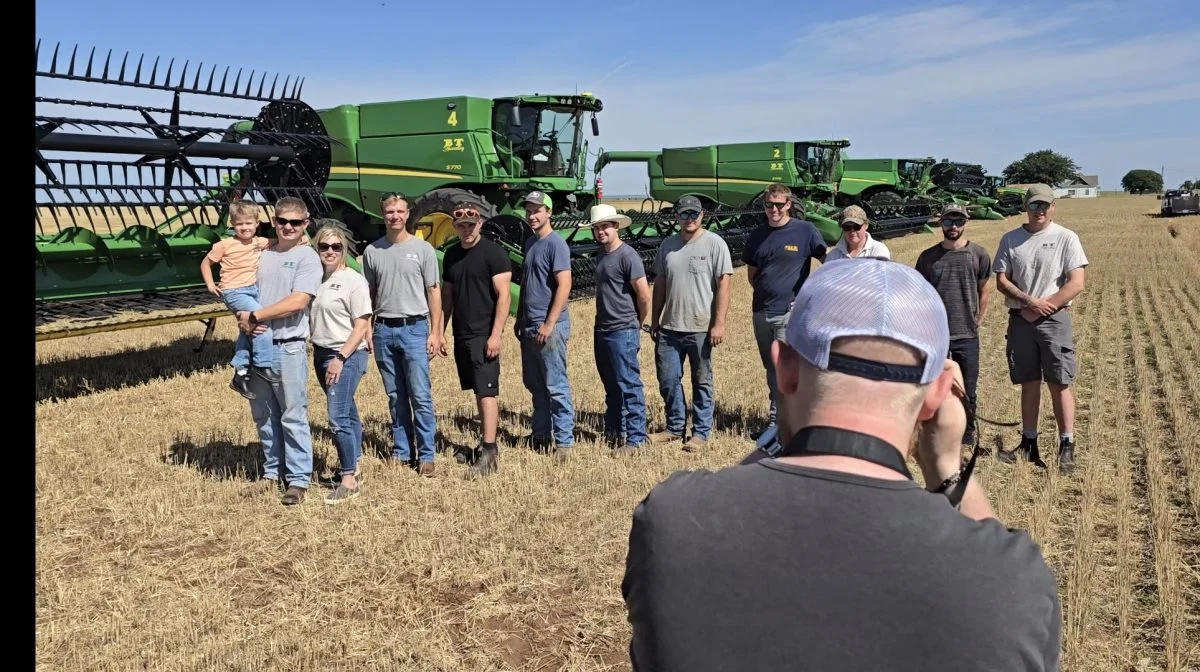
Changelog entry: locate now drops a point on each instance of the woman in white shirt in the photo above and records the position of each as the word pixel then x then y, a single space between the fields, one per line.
pixel 856 241
pixel 340 318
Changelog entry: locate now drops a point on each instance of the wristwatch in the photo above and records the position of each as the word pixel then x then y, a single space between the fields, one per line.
pixel 340 356
pixel 253 318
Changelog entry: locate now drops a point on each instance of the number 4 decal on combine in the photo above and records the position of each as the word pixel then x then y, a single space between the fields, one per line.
pixel 453 120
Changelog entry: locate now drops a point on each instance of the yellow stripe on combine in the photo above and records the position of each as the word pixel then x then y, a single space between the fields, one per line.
pixel 861 179
pixel 714 180
pixel 392 172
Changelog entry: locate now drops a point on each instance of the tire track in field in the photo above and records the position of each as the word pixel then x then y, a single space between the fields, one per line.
pixel 1085 579
pixel 1138 613
pixel 1157 447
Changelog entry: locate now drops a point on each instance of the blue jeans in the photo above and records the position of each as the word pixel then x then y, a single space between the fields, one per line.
pixel 624 395
pixel 280 412
pixel 673 347
pixel 544 371
pixel 265 353
pixel 404 365
pixel 343 411
pixel 770 327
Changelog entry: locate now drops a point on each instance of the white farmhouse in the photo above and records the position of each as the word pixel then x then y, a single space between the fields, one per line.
pixel 1084 186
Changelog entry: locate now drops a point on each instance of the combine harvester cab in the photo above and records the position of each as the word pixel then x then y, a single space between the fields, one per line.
pixel 893 192
pixel 127 201
pixel 731 179
pixel 490 153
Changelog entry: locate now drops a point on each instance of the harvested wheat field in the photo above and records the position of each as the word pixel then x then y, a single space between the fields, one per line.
pixel 149 557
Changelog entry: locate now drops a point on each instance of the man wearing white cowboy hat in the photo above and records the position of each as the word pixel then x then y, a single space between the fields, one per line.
pixel 622 307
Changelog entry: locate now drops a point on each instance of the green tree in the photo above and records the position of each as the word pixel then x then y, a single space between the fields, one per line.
pixel 1045 166
pixel 1189 184
pixel 1141 181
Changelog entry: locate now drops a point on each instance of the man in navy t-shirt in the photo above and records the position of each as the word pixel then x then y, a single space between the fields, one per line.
pixel 778 259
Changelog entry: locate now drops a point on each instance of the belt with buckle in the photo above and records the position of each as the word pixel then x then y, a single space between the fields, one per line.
pixel 293 339
pixel 401 321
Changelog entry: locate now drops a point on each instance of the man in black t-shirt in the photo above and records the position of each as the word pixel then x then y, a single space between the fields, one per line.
pixel 476 276
pixel 826 554
pixel 959 270
pixel 778 258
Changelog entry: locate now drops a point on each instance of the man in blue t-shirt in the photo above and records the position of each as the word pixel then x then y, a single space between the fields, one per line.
pixel 778 259
pixel 543 326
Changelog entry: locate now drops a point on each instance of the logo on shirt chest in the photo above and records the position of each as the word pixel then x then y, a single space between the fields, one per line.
pixel 792 248
pixel 412 256
pixel 288 264
pixel 335 286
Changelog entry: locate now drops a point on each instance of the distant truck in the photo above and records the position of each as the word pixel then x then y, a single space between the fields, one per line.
pixel 1181 202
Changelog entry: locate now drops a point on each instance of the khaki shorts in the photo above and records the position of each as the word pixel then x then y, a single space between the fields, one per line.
pixel 1041 350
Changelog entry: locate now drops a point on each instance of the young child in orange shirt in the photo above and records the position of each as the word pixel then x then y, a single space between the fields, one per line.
pixel 238 257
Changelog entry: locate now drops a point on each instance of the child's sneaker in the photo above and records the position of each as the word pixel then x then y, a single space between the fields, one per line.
pixel 241 384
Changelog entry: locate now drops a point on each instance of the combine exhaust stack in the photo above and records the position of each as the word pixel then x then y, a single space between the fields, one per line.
pixel 126 201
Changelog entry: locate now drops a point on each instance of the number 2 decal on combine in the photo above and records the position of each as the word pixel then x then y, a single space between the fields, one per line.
pixel 775 153
pixel 453 120
pixel 452 144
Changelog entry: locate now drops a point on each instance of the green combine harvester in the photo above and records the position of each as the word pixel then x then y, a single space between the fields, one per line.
pixel 126 212
pixel 733 178
pixel 968 185
pixel 891 189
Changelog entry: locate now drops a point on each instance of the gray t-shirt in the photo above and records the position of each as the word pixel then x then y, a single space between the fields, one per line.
pixel 341 298
pixel 616 302
pixel 282 273
pixel 543 258
pixel 770 566
pixel 399 275
pixel 956 274
pixel 691 271
pixel 1038 263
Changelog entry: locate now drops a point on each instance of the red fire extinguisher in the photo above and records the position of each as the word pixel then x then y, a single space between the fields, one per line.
pixel 599 189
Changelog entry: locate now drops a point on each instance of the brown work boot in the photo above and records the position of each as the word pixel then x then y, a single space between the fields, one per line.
pixel 487 463
pixel 664 437
pixel 695 443
pixel 293 496
pixel 425 469
pixel 629 449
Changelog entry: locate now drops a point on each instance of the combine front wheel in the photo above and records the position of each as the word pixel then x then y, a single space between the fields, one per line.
pixel 431 217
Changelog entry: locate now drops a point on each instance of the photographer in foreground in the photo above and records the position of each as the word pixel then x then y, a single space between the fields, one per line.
pixel 823 553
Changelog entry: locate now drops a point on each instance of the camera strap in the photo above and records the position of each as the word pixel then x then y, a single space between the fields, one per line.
pixel 835 441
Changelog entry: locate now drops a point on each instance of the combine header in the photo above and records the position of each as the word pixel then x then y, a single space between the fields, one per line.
pixel 126 203
pixel 892 191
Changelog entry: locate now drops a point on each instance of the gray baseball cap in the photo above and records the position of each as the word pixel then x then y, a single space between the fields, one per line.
pixel 1039 193
pixel 870 297
pixel 688 204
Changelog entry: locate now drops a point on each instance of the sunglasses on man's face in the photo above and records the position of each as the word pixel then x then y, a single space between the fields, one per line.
pixel 953 222
pixel 280 221
pixel 852 227
pixel 688 216
pixel 776 205
pixel 1038 206
pixel 325 247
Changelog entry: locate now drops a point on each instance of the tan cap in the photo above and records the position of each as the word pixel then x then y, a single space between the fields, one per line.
pixel 853 214
pixel 1039 193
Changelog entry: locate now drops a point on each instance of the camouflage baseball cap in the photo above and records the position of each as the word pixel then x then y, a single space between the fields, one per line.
pixel 539 198
pixel 1039 193
pixel 954 209
pixel 854 214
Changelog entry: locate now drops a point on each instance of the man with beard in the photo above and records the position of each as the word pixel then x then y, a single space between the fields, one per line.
pixel 821 552
pixel 959 270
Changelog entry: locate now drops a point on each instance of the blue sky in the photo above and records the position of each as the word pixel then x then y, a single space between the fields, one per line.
pixel 1112 84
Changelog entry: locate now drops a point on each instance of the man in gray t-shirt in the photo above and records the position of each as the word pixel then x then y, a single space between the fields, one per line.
pixel 402 272
pixel 622 306
pixel 543 326
pixel 687 319
pixel 289 275
pixel 1040 270
pixel 959 269
pixel 827 554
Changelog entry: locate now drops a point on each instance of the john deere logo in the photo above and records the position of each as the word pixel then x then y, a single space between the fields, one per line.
pixel 289 264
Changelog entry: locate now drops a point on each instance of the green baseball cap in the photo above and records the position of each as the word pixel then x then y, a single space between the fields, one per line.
pixel 539 198
pixel 1039 193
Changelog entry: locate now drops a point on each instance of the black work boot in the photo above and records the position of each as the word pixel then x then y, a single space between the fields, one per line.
pixel 1028 449
pixel 487 463
pixel 1066 456
pixel 241 385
